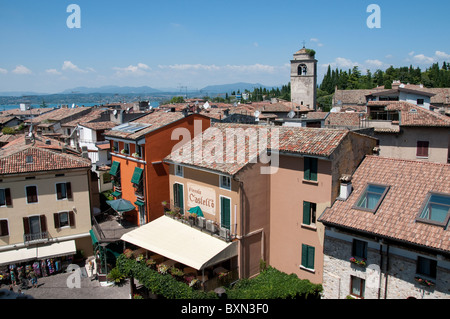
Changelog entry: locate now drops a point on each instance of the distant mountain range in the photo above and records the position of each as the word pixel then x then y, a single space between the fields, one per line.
pixel 111 89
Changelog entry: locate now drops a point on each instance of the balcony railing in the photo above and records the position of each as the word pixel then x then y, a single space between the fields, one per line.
pixel 200 223
pixel 35 238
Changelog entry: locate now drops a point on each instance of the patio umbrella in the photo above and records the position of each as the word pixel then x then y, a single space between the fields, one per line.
pixel 196 210
pixel 121 205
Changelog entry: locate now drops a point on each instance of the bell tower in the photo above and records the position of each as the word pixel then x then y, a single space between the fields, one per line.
pixel 304 78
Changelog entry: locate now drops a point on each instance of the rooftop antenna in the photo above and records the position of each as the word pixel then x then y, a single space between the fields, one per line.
pixel 304 43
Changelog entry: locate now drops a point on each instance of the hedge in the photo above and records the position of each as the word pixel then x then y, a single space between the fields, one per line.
pixel 269 284
pixel 274 284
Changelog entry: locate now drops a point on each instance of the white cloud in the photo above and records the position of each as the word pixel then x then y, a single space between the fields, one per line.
pixel 68 65
pixel 3 71
pixel 423 59
pixel 375 63
pixel 235 68
pixel 20 69
pixel 53 72
pixel 139 69
pixel 316 41
pixel 342 63
pixel 442 55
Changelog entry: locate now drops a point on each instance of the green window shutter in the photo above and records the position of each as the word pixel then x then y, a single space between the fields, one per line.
pixel 225 212
pixel 313 169
pixel 137 175
pixel 178 197
pixel 114 168
pixel 306 213
pixel 304 255
pixel 308 256
pixel 306 168
pixel 311 252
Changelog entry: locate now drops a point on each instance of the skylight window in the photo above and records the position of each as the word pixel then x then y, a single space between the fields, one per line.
pixel 435 209
pixel 372 197
pixel 131 127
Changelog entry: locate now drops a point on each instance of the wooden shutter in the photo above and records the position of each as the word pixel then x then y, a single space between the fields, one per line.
pixel 58 191
pixel 306 213
pixel 306 168
pixel 422 148
pixel 313 169
pixel 311 252
pixel 8 197
pixel 304 255
pixel 225 212
pixel 26 226
pixel 56 219
pixel 69 190
pixel 71 219
pixel 4 228
pixel 43 223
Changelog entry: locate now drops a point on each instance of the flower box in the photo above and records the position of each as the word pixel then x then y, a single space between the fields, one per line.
pixel 424 282
pixel 355 261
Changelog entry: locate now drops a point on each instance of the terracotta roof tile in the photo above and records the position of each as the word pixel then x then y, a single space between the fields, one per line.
pixel 13 158
pixel 306 141
pixel 410 182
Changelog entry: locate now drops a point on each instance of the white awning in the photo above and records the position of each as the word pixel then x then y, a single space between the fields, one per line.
pixel 38 252
pixel 177 241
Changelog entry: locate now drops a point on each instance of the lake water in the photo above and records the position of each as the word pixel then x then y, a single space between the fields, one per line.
pixel 36 106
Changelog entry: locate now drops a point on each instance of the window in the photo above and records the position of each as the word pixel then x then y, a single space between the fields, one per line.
pixel 309 213
pixel 422 148
pixel 29 159
pixel 420 101
pixel 4 229
pixel 225 212
pixel 64 219
pixel 357 287
pixel 310 169
pixel 436 209
pixel 302 69
pixel 178 199
pixel 35 227
pixel 308 256
pixel 63 191
pixel 126 148
pixel 359 249
pixel 138 150
pixel 225 182
pixel 426 267
pixel 5 197
pixel 371 197
pixel 115 146
pixel 179 170
pixel 32 195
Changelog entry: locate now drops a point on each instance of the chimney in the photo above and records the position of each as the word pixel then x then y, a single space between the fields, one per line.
pixel 346 187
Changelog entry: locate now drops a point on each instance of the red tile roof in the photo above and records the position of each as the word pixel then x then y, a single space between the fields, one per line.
pixel 305 141
pixel 413 115
pixel 410 182
pixel 45 158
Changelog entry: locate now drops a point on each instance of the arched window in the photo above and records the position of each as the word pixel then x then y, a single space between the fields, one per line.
pixel 302 69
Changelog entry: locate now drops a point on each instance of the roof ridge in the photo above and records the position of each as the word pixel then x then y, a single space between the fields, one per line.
pixel 408 160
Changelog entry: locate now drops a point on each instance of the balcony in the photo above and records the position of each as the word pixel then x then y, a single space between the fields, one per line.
pixel 109 227
pixel 35 238
pixel 200 223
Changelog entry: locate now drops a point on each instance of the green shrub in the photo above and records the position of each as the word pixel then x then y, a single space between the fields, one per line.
pixel 274 284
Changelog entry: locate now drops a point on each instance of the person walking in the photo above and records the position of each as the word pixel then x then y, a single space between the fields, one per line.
pixel 33 278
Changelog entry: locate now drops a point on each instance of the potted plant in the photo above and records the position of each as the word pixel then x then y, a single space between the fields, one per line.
pixel 358 262
pixel 135 155
pixel 150 263
pixel 425 282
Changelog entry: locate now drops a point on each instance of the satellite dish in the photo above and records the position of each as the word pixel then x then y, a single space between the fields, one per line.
pixel 257 114
pixel 115 112
pixel 235 104
pixel 73 105
pixel 206 106
pixel 150 108
pixel 291 114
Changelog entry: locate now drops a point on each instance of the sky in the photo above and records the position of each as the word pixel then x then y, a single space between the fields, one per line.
pixel 196 43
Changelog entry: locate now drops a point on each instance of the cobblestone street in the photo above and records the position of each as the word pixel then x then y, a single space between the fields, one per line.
pixel 55 287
